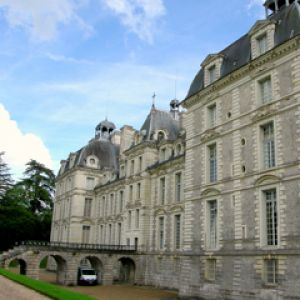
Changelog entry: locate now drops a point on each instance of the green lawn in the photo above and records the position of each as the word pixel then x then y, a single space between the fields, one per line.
pixel 47 289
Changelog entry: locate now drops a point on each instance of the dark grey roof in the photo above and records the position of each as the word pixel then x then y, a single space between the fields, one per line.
pixel 238 54
pixel 106 124
pixel 160 120
pixel 104 150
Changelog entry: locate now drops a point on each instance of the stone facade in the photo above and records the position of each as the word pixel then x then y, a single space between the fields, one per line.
pixel 210 198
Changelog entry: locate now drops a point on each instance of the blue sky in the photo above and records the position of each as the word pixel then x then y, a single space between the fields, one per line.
pixel 66 64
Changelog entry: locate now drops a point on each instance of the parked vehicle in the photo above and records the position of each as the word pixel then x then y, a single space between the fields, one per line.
pixel 87 276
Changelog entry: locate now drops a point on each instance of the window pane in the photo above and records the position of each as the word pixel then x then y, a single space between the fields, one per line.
pixel 271 217
pixel 212 224
pixel 268 145
pixel 212 163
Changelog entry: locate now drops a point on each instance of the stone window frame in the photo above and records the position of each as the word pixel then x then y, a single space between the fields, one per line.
pixel 210 269
pixel 259 93
pixel 177 246
pixel 261 157
pixel 270 271
pixel 178 186
pixel 262 217
pixel 207 224
pixel 88 205
pixel 209 179
pixel 260 29
pixel 161 238
pixel 162 190
pixel 211 123
pixel 212 61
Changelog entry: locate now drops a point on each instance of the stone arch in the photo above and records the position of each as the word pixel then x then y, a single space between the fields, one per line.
pixel 60 268
pixel 22 265
pixel 95 263
pixel 126 270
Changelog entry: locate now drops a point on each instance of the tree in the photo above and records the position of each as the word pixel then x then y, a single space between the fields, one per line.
pixel 38 186
pixel 5 176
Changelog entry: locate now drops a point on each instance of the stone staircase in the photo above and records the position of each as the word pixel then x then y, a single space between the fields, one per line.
pixel 17 250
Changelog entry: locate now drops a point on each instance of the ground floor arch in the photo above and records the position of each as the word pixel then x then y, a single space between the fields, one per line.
pixel 125 270
pixel 95 263
pixel 18 265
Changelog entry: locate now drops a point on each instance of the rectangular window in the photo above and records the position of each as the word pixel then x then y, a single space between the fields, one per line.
pixel 121 204
pixel 129 219
pixel 119 233
pixel 122 171
pixel 177 230
pixel 268 145
pixel 90 183
pixel 102 238
pixel 178 187
pixel 271 271
pixel 211 115
pixel 212 74
pixel 112 204
pixel 140 163
pixel 265 87
pixel 262 44
pixel 138 191
pixel 132 167
pixel 161 230
pixel 87 207
pixel 137 218
pixel 210 269
pixel 212 224
pixel 103 207
pixel 130 192
pixel 271 220
pixel 162 189
pixel 85 234
pixel 212 156
pixel 109 234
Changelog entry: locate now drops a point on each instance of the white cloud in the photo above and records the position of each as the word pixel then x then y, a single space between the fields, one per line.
pixel 66 59
pixel 139 16
pixel 20 147
pixel 41 18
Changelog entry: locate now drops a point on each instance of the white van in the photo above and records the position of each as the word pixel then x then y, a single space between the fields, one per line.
pixel 87 275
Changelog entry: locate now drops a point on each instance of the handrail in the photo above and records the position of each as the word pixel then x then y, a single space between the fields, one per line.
pixel 78 246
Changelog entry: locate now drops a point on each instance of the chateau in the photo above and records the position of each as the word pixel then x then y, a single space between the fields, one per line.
pixel 209 197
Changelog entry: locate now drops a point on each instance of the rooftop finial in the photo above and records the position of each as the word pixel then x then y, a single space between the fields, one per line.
pixel 153 100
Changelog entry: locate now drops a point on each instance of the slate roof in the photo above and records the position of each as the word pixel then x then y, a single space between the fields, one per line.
pixel 238 54
pixel 160 120
pixel 104 150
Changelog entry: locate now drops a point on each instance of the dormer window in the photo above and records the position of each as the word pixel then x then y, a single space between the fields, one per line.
pixel 262 37
pixel 262 44
pixel 212 68
pixel 212 74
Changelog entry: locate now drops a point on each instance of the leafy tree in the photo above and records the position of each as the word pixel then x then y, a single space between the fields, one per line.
pixel 26 207
pixel 38 186
pixel 5 176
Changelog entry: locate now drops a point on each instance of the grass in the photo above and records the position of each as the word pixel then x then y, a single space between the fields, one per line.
pixel 47 289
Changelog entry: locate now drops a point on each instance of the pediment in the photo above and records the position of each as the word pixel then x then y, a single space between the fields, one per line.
pixel 177 208
pixel 159 211
pixel 267 179
pixel 210 58
pixel 260 24
pixel 210 193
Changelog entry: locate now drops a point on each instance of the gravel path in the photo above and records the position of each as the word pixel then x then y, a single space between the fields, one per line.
pixel 10 290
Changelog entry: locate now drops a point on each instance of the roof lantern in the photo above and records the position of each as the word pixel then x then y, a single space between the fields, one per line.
pixel 275 5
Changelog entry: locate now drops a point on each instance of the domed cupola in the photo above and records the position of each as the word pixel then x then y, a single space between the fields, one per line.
pixel 104 129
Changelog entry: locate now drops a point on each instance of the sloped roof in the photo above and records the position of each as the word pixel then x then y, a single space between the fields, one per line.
pixel 160 120
pixel 238 54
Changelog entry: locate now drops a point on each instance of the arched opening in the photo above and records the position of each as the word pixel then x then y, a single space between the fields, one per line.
pixel 125 271
pixel 52 268
pixel 93 262
pixel 161 136
pixel 18 266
